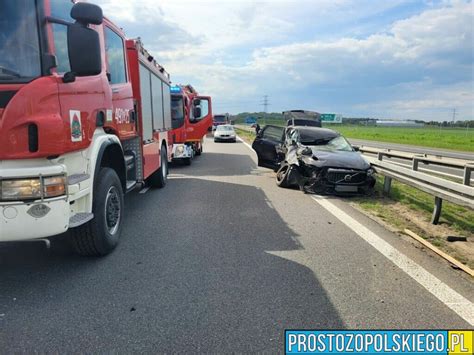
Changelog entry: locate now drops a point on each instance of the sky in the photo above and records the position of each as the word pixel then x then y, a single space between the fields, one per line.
pixel 397 59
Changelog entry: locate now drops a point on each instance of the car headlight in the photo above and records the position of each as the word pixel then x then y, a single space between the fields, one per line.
pixel 32 188
pixel 180 150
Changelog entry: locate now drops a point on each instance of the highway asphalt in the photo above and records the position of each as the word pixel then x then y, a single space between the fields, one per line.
pixel 223 260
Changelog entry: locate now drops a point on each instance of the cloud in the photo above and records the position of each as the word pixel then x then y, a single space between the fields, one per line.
pixel 314 55
pixel 146 19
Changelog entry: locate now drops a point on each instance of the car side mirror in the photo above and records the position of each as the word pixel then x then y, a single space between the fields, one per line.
pixel 305 151
pixel 294 142
pixel 356 149
pixel 260 134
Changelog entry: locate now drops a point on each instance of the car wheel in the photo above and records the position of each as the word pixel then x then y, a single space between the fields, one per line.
pixel 101 235
pixel 282 175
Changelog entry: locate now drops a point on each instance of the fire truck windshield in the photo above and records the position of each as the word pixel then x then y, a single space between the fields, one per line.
pixel 220 119
pixel 19 42
pixel 177 113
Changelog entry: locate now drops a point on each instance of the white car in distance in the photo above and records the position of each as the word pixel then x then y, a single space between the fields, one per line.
pixel 224 133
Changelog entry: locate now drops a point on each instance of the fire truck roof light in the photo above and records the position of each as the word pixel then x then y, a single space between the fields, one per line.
pixel 175 89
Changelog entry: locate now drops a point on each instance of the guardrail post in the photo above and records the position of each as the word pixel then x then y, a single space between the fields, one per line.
pixel 467 175
pixel 415 164
pixel 387 184
pixel 437 210
pixel 379 155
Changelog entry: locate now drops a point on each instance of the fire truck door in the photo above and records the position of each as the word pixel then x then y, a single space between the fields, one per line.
pixel 122 115
pixel 200 118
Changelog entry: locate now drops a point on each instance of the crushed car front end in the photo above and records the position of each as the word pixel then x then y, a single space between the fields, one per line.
pixel 330 173
pixel 327 180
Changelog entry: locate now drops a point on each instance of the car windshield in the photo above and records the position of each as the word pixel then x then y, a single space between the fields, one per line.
pixel 177 113
pixel 338 143
pixel 19 42
pixel 225 128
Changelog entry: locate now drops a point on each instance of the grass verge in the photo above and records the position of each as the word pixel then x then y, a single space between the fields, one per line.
pixel 407 207
pixel 445 138
pixel 245 135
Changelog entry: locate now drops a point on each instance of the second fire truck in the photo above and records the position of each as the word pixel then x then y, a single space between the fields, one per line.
pixel 192 119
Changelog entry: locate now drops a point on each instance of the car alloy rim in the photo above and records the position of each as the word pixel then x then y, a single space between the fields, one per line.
pixel 282 172
pixel 112 210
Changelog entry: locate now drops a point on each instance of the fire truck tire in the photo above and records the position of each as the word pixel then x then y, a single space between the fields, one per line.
pixel 101 235
pixel 159 178
pixel 199 150
pixel 187 161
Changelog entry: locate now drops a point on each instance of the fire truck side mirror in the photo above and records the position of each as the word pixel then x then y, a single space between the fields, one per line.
pixel 86 13
pixel 84 50
pixel 83 42
pixel 196 112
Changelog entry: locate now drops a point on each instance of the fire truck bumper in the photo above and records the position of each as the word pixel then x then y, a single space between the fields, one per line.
pixel 33 200
pixel 33 220
pixel 182 151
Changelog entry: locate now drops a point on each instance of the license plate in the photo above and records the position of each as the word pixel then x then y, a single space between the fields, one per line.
pixel 346 188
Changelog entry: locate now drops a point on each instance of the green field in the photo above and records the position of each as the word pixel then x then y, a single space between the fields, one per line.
pixel 445 138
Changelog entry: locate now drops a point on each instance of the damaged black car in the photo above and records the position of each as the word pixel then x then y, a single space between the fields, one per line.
pixel 317 160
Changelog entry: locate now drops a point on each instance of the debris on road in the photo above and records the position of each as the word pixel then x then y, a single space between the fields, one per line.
pixel 440 252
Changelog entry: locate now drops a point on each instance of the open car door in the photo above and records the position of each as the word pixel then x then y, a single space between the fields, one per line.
pixel 267 145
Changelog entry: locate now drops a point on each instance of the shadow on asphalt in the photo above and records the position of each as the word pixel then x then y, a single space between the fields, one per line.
pixel 192 273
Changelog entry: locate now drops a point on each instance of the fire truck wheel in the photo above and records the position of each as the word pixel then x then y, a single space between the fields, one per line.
pixel 101 235
pixel 158 178
pixel 187 161
pixel 199 150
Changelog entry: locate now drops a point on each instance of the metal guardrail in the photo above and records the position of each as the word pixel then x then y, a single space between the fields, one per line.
pixel 442 189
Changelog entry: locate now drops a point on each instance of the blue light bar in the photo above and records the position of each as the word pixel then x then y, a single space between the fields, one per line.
pixel 175 89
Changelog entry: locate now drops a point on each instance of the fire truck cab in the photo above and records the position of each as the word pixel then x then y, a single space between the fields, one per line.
pixel 192 118
pixel 85 116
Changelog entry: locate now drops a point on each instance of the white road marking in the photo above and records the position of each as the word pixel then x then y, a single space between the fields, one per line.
pixel 144 190
pixel 458 303
pixel 248 145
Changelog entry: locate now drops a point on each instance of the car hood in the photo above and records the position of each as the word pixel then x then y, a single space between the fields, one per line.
pixel 339 159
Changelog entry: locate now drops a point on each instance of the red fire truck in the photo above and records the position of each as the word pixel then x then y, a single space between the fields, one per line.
pixel 85 116
pixel 192 118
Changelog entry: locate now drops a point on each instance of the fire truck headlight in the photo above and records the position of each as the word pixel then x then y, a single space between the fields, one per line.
pixel 20 189
pixel 54 186
pixel 180 150
pixel 32 188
